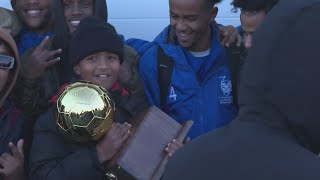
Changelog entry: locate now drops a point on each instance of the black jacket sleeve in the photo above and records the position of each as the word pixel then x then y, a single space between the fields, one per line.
pixel 26 95
pixel 32 95
pixel 55 157
pixel 236 58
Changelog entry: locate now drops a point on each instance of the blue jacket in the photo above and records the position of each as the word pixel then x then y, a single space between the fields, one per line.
pixel 27 40
pixel 208 103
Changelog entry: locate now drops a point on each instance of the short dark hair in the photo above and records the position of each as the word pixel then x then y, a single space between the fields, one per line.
pixel 211 3
pixel 214 2
pixel 253 5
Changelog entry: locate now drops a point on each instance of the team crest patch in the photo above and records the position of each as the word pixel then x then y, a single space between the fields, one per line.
pixel 225 90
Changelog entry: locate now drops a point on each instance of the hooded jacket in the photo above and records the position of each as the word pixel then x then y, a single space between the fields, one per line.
pixel 12 79
pixel 11 121
pixel 277 133
pixel 10 21
pixel 208 102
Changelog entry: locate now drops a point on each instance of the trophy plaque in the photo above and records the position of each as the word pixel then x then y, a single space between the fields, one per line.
pixel 143 155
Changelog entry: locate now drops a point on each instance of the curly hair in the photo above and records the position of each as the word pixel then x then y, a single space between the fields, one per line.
pixel 253 5
pixel 212 3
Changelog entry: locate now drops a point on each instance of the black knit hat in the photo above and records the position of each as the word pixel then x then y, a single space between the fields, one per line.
pixel 94 35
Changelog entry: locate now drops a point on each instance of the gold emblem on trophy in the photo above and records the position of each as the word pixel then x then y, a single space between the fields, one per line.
pixel 84 112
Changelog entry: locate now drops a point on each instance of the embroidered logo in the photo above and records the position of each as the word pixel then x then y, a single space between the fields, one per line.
pixel 225 90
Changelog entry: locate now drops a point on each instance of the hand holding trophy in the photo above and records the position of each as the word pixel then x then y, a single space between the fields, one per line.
pixel 85 113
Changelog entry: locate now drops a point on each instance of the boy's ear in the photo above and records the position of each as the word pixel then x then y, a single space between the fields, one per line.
pixel 213 13
pixel 76 69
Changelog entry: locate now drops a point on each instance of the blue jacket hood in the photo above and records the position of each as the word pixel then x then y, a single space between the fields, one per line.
pixel 279 86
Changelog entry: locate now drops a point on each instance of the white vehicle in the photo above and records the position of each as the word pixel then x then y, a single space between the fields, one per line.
pixel 145 19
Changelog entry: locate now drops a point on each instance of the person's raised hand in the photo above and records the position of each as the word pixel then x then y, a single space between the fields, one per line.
pixel 175 145
pixel 40 59
pixel 229 35
pixel 12 166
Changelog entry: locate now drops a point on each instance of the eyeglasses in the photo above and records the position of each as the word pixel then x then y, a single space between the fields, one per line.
pixel 6 62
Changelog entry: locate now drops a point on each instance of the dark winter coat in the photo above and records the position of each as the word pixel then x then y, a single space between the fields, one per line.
pixel 53 156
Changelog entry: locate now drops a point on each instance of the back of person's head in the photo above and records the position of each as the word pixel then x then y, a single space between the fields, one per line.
pixel 92 36
pixel 254 5
pixel 279 83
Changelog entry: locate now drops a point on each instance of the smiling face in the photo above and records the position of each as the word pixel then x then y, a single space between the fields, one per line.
pixel 35 14
pixel 191 21
pixel 75 11
pixel 100 68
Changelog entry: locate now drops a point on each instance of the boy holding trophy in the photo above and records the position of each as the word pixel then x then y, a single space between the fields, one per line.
pixel 96 53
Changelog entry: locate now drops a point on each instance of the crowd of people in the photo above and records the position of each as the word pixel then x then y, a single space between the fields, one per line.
pixel 230 81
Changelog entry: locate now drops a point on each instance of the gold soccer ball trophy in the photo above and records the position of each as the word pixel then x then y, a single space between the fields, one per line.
pixel 84 112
